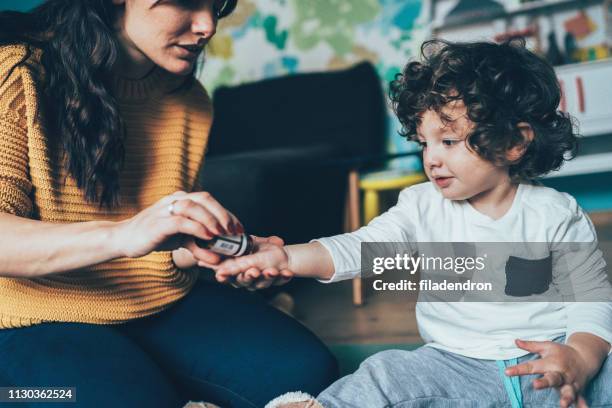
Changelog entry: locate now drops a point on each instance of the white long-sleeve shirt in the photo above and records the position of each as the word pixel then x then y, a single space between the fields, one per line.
pixel 487 330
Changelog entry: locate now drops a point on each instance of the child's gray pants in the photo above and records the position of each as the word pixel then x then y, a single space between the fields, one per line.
pixel 428 377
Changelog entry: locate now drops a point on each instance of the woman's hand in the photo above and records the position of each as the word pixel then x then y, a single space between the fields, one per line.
pixel 267 266
pixel 561 367
pixel 174 222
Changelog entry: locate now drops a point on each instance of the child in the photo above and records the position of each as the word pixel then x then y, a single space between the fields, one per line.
pixel 486 117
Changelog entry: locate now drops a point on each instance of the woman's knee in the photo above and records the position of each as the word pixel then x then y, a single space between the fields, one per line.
pixel 106 368
pixel 314 367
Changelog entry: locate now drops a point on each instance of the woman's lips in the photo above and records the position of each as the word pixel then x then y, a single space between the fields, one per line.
pixel 443 181
pixel 189 52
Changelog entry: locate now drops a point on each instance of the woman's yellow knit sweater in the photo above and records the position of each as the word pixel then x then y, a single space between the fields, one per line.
pixel 166 135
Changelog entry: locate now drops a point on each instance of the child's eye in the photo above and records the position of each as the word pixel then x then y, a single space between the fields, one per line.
pixel 449 142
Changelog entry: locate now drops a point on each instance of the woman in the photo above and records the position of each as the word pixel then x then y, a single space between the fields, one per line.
pixel 102 132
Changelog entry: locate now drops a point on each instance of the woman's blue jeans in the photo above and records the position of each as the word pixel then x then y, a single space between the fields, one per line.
pixel 217 344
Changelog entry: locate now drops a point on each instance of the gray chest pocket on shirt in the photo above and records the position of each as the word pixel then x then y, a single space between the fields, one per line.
pixel 525 277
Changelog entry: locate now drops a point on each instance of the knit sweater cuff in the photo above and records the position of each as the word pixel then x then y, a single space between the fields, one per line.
pixel 15 185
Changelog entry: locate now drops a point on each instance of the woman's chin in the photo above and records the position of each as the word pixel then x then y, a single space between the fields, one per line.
pixel 178 67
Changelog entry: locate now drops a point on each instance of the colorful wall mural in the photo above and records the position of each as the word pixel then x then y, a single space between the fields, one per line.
pixel 267 38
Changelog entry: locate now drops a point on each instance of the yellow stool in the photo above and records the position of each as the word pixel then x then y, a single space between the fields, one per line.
pixel 372 185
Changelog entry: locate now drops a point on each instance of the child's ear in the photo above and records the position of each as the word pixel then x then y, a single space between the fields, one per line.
pixel 515 153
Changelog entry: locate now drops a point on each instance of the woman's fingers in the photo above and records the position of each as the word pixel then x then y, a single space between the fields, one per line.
pixel 274 240
pixel 204 208
pixel 228 222
pixel 204 257
pixel 193 210
pixel 209 265
pixel 237 226
pixel 181 225
pixel 170 198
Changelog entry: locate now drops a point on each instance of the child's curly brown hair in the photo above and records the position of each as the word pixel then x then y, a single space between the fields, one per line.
pixel 501 86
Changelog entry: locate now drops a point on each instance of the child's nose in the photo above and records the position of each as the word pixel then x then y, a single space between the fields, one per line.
pixel 431 158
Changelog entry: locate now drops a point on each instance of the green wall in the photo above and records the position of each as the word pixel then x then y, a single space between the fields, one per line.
pixel 21 5
pixel 592 191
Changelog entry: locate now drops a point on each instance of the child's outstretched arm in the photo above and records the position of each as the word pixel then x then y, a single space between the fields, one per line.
pixel 329 259
pixel 310 260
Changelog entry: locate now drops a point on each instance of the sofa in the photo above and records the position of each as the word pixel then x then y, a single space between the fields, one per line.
pixel 280 149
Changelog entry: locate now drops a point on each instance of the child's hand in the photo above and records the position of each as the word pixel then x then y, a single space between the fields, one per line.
pixel 561 367
pixel 267 266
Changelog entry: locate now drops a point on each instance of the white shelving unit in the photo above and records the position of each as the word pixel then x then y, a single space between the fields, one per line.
pixel 538 7
pixel 592 163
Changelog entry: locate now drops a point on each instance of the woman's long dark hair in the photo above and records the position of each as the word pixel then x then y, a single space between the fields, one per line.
pixel 79 48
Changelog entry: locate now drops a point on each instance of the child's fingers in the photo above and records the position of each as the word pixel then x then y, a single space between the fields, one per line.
pixel 242 280
pixel 227 280
pixel 252 274
pixel 536 347
pixel 262 285
pixel 270 273
pixel 581 403
pixel 528 367
pixel 247 278
pixel 223 278
pixel 568 396
pixel 549 379
pixel 228 268
pixel 269 277
pixel 276 277
pixel 284 277
pixel 281 281
pixel 235 266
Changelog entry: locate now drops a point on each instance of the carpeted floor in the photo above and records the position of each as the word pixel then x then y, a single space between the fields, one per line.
pixel 351 355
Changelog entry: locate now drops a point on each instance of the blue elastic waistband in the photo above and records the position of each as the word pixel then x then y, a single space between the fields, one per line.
pixel 512 384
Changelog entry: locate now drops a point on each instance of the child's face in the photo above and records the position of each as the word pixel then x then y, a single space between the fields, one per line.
pixel 456 170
